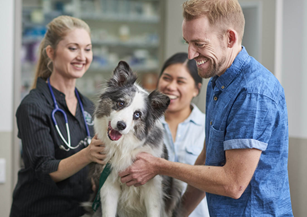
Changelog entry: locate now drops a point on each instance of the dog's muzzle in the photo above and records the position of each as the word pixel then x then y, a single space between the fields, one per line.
pixel 114 135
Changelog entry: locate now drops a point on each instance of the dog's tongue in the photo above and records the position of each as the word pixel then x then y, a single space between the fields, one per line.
pixel 114 135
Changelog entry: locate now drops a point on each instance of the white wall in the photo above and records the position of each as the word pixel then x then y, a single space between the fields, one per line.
pixel 6 99
pixel 294 66
pixel 6 66
pixel 294 79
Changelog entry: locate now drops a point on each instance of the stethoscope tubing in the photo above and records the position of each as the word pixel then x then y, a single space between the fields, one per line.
pixel 82 110
pixel 57 109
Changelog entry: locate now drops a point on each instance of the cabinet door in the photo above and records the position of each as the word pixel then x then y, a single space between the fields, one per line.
pixel 263 25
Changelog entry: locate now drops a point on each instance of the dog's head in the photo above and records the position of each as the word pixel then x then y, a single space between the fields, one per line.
pixel 126 108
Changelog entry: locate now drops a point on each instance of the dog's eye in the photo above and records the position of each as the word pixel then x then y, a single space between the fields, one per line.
pixel 136 115
pixel 120 104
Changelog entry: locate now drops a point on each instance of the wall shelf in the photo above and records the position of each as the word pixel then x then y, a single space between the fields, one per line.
pixel 129 30
pixel 120 18
pixel 131 44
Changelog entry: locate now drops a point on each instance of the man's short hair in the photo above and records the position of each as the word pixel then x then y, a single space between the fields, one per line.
pixel 226 13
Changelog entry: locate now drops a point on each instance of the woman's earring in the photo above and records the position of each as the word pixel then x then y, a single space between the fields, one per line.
pixel 48 65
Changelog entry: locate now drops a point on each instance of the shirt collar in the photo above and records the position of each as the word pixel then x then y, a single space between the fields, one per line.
pixel 193 117
pixel 42 86
pixel 223 81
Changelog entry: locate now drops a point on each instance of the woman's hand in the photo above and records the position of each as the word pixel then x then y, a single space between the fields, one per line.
pixel 96 151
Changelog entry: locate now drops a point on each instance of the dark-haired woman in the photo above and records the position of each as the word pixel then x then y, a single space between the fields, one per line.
pixel 183 122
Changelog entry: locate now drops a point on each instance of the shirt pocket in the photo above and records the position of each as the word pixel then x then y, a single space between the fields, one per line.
pixel 215 154
pixel 191 154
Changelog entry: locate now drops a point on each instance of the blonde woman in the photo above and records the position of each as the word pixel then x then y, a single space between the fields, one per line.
pixel 55 126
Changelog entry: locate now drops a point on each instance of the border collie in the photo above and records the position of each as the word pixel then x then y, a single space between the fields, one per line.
pixel 126 120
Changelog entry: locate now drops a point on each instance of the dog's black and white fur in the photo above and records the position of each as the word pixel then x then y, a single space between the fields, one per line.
pixel 126 120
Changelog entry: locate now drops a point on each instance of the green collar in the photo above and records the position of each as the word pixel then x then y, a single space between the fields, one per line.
pixel 103 177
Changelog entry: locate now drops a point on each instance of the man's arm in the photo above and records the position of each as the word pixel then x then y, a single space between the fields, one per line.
pixel 193 196
pixel 229 180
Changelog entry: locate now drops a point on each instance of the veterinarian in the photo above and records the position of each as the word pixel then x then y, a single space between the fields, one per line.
pixel 243 165
pixel 183 122
pixel 55 126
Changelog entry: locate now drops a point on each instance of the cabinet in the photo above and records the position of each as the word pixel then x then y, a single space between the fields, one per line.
pixel 129 30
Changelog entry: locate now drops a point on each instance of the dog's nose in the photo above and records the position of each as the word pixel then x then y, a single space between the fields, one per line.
pixel 121 125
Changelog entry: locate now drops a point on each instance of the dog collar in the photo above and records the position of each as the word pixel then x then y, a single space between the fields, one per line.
pixel 103 177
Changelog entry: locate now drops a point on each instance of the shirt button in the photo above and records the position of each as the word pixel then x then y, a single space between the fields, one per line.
pixel 215 98
pixel 210 122
pixel 223 87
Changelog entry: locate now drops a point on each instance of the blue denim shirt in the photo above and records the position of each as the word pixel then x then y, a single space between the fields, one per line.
pixel 245 109
pixel 189 143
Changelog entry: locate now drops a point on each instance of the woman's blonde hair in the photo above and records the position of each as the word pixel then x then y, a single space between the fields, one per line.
pixel 227 13
pixel 57 29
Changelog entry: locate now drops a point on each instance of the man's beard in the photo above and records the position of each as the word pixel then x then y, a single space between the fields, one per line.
pixel 215 69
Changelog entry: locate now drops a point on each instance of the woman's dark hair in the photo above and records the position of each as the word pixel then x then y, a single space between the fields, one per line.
pixel 190 64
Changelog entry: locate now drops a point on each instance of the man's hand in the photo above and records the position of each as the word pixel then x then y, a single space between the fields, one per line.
pixel 141 171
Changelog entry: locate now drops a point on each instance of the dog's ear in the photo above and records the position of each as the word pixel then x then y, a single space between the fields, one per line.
pixel 158 103
pixel 122 75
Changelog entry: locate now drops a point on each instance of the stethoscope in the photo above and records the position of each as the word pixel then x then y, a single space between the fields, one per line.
pixel 84 142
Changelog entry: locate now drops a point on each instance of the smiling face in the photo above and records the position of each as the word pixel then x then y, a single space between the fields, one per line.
pixel 177 83
pixel 207 45
pixel 73 54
